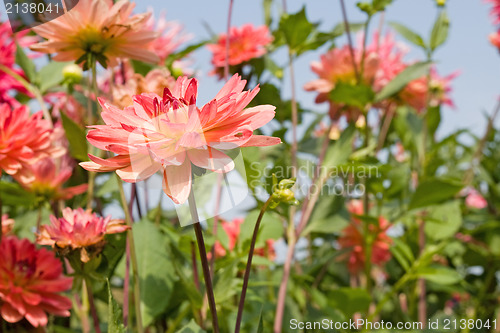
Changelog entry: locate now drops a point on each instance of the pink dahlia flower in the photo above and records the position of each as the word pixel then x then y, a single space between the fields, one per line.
pixel 7 224
pixel 352 238
pixel 495 39
pixel 245 43
pixel 171 133
pixel 102 28
pixel 47 176
pixel 31 281
pixel 170 37
pixel 79 230
pixel 24 139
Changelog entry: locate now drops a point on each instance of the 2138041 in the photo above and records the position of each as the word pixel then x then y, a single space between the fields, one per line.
pixel 463 324
pixel 33 8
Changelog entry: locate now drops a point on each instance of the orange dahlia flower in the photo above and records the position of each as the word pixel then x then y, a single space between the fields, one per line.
pixel 171 133
pixel 79 230
pixel 24 139
pixel 495 39
pixel 99 28
pixel 353 239
pixel 245 43
pixel 30 283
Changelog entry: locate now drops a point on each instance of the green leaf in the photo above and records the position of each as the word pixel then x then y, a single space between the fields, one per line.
pixel 76 138
pixel 409 74
pixel 155 270
pixel 350 300
pixel 380 5
pixel 192 327
pixel 115 317
pixel 440 30
pixel 26 64
pixel 443 221
pixel 439 274
pixel 13 194
pixel 51 75
pixel 296 29
pixel 352 95
pixel 434 191
pixel 260 328
pixel 268 18
pixel 183 53
pixel 409 34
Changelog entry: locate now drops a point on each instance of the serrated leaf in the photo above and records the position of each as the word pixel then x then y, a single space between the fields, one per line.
pixel 26 64
pixel 408 34
pixel 115 319
pixel 76 138
pixel 339 152
pixel 440 30
pixel 296 29
pixel 409 74
pixel 443 221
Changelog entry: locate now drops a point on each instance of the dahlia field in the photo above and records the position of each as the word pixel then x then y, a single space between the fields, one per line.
pixel 146 189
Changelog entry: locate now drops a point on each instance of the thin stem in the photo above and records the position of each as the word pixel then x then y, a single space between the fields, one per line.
pixel 90 116
pixel 422 290
pixel 126 285
pixel 229 15
pixel 249 265
pixel 133 257
pixel 31 88
pixel 295 117
pixel 204 260
pixel 280 309
pixel 93 310
pixel 349 39
pixel 216 221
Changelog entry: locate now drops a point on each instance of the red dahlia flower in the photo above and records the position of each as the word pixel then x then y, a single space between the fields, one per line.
pixel 30 283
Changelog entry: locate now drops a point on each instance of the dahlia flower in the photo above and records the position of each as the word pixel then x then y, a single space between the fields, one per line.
pixel 171 133
pixel 25 139
pixel 419 92
pixel 6 224
pixel 170 37
pixel 79 230
pixel 245 43
pixel 47 176
pixel 100 28
pixel 382 62
pixel 353 239
pixel 232 230
pixel 31 281
pixel 495 39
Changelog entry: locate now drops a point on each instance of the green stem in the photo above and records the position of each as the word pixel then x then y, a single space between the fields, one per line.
pixel 249 265
pixel 133 257
pixel 204 260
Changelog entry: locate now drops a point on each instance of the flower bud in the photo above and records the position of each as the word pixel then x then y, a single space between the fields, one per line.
pixel 441 3
pixel 72 74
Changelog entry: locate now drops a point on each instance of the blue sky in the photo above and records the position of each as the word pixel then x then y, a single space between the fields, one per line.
pixel 467 49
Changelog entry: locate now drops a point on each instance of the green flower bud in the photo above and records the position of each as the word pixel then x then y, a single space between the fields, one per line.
pixel 72 74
